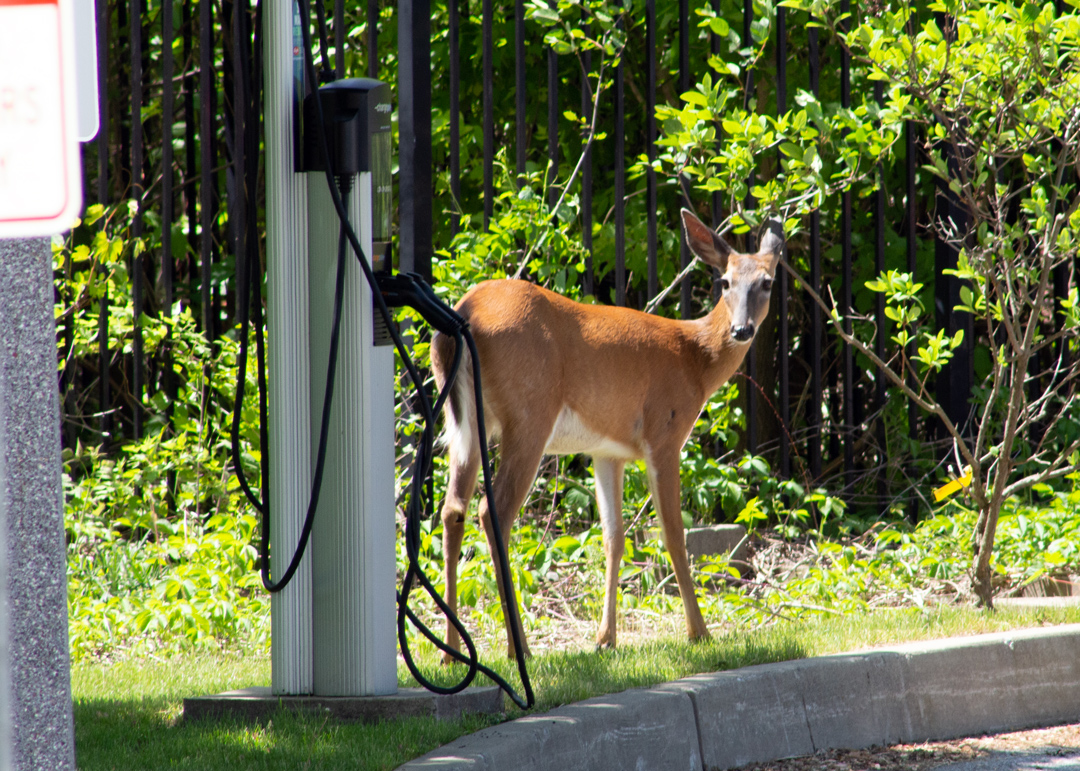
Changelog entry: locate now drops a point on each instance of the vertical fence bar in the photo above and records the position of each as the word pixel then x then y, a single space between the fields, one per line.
pixel 586 176
pixel 1061 282
pixel 747 40
pixel 138 191
pixel 219 303
pixel 414 121
pixel 102 43
pixel 848 359
pixel 168 107
pixel 954 380
pixel 716 47
pixel 650 142
pixel 489 114
pixel 749 203
pixel 552 120
pixel 813 412
pixel 373 39
pixel 238 205
pixel 207 176
pixel 191 167
pixel 339 39
pixel 225 153
pixel 520 90
pixel 879 320
pixel 455 117
pixel 620 183
pixel 103 355
pixel 167 116
pixel 783 332
pixel 687 286
pixel 123 130
pixel 910 146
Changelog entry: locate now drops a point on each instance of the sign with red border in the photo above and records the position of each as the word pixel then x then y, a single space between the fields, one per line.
pixel 40 174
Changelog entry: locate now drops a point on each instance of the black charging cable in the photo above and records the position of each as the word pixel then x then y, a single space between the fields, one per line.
pixel 412 290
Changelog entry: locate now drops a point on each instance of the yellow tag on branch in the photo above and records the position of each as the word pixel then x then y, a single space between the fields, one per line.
pixel 949 488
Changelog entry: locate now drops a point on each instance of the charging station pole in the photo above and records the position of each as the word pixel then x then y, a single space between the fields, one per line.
pixel 352 544
pixel 287 323
pixel 333 626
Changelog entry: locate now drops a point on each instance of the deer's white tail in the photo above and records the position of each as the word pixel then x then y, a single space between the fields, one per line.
pixel 460 434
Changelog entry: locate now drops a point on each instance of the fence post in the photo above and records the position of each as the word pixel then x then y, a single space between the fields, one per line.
pixel 414 116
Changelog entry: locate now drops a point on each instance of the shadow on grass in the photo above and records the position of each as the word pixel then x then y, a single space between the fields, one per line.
pixel 140 734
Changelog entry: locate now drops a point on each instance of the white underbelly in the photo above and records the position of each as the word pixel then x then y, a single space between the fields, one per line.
pixel 571 436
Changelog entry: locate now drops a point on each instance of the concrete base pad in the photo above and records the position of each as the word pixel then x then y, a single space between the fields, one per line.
pixel 259 704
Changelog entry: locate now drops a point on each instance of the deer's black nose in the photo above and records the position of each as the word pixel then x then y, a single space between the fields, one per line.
pixel 743 333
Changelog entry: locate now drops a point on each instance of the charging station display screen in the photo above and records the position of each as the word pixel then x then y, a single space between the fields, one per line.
pixel 381 186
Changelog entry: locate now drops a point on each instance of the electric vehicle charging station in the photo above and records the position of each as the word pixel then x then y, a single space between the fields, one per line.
pixel 352 541
pixel 333 626
pixel 331 472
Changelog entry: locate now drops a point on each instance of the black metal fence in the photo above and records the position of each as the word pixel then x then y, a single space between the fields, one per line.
pixel 472 79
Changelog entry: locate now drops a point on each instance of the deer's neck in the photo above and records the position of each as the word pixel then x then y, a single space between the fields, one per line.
pixel 721 354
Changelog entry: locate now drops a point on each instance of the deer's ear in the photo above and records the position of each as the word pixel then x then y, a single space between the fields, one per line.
pixel 704 242
pixel 772 239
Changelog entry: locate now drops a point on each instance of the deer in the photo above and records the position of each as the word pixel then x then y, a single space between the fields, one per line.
pixel 561 377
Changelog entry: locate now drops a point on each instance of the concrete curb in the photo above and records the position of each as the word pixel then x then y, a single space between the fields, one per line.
pixel 915 692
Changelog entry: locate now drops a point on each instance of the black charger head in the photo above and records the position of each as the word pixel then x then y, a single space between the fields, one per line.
pixel 355 111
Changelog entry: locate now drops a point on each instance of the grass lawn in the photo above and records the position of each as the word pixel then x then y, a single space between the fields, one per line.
pixel 128 713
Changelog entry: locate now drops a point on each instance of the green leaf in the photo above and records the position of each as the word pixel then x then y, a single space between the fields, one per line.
pixel 791 150
pixel 544 14
pixel 719 27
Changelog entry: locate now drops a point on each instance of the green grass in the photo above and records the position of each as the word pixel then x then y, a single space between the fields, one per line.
pixel 127 713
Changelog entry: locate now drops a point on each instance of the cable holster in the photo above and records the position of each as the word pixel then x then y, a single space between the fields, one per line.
pixel 411 290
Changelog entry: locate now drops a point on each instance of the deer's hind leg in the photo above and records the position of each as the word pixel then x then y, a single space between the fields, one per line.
pixel 464 461
pixel 464 464
pixel 520 454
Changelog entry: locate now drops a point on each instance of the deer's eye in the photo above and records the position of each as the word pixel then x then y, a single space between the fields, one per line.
pixel 766 285
pixel 725 284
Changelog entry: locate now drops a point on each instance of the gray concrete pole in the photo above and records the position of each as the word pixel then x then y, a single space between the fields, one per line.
pixel 38 710
pixel 5 660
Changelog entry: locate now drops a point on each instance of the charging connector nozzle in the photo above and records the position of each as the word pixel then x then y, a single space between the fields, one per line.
pixel 410 289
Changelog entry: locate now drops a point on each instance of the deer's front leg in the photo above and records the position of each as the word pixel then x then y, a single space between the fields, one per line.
pixel 664 483
pixel 609 496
